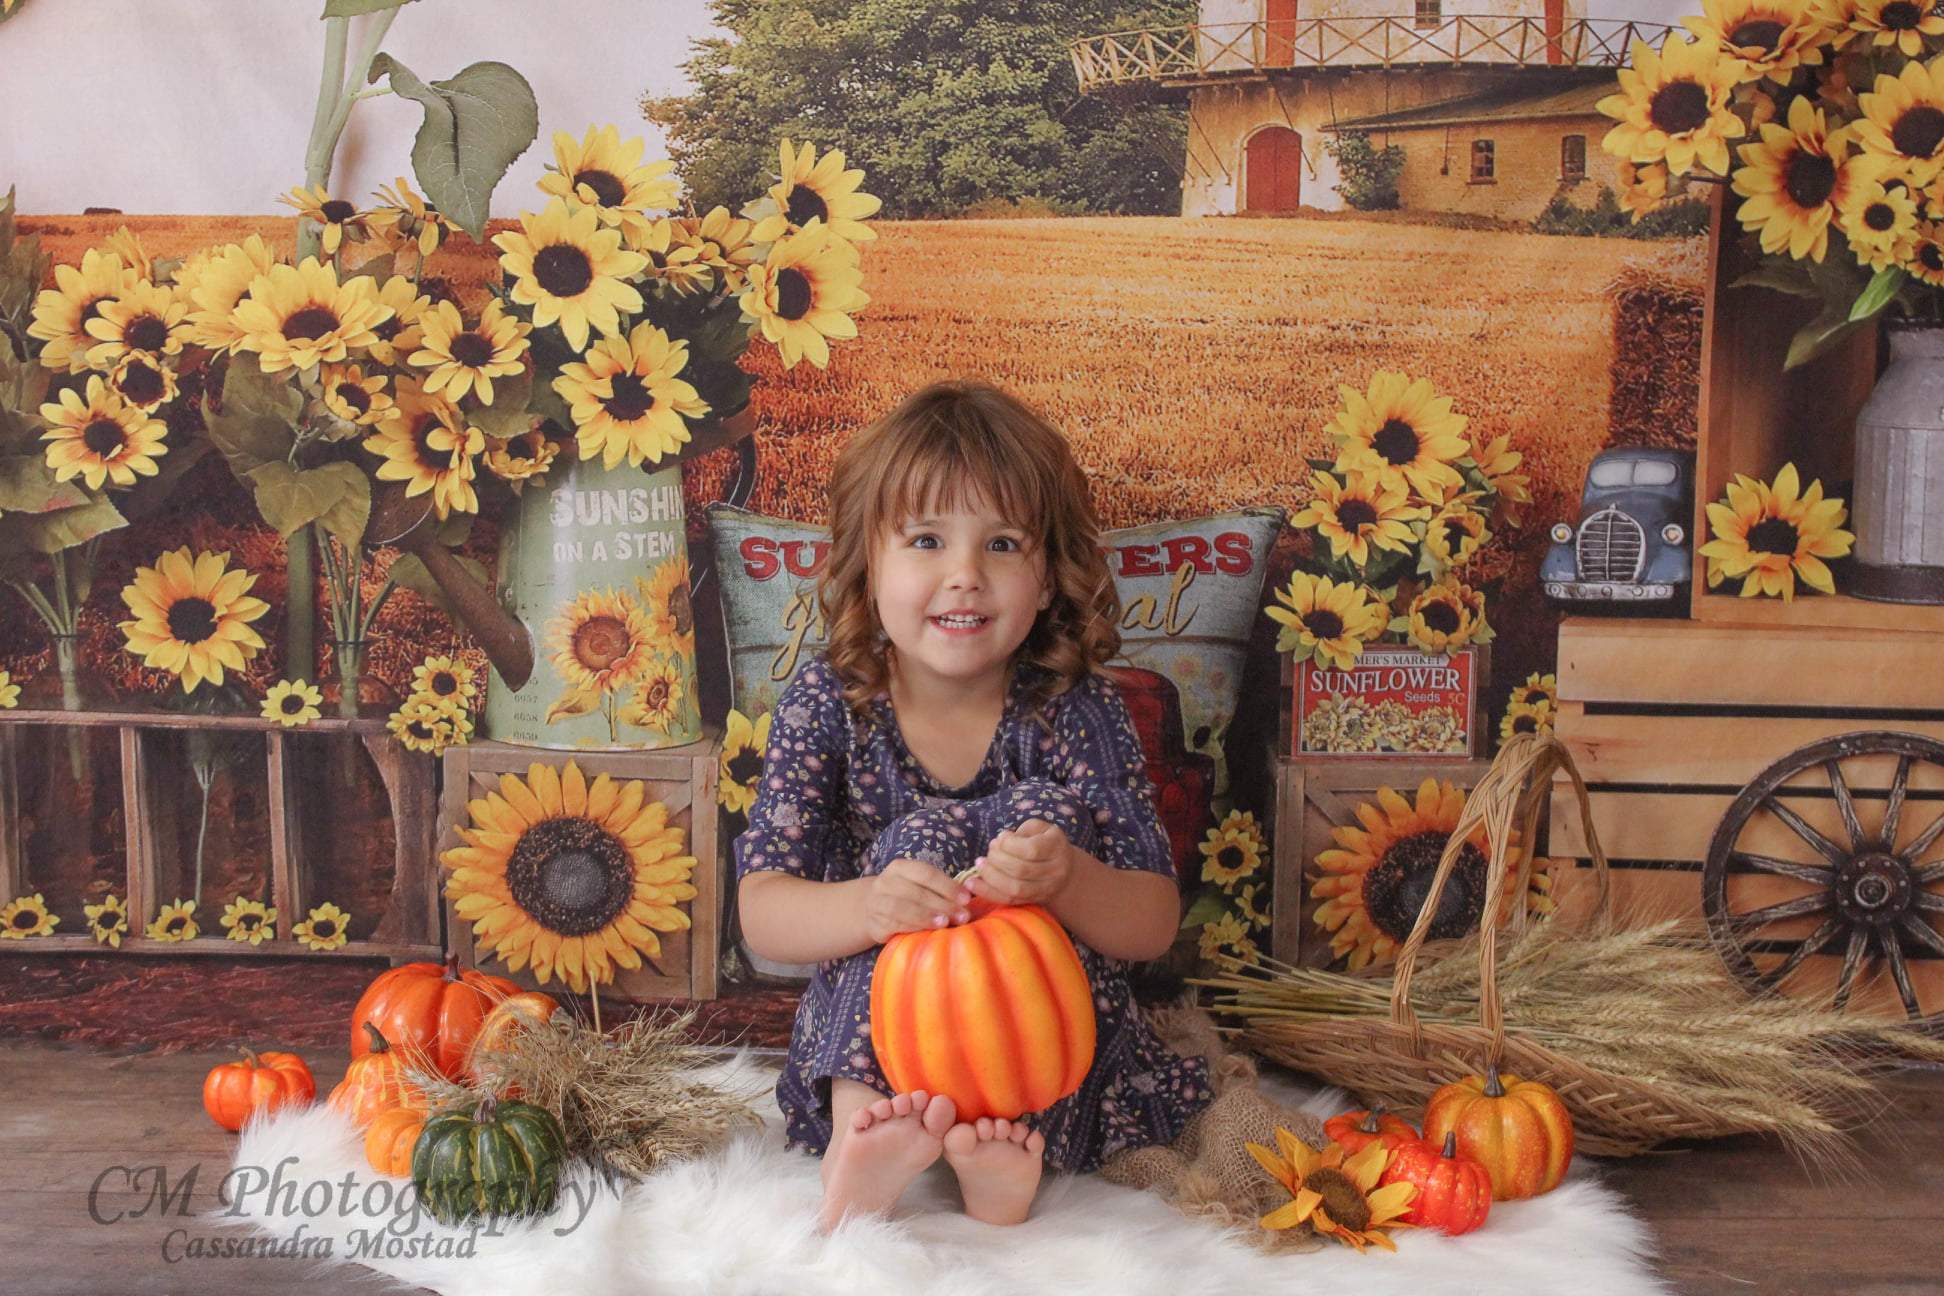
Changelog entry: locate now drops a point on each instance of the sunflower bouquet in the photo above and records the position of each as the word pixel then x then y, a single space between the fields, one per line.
pixel 1825 118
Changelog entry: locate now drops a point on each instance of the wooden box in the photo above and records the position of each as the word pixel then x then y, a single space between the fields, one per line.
pixel 1314 796
pixel 682 778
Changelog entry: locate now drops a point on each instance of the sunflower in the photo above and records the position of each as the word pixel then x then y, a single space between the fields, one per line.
pixel 1338 1198
pixel 468 359
pixel 27 916
pixel 337 216
pixel 427 444
pixel 676 263
pixel 1454 534
pixel 400 335
pixel 658 696
pixel 62 313
pixel 1537 689
pixel 1400 428
pixel 421 726
pixel 1228 934
pixel 743 745
pixel 1245 904
pixel 601 641
pixel 299 316
pixel 107 921
pixel 1796 178
pixel 192 616
pixel 9 692
pixel 407 218
pixel 811 188
pixel 1903 23
pixel 213 288
pixel 1903 121
pixel 573 877
pixel 722 242
pixel 605 172
pixel 143 381
pixel 1524 717
pixel 1762 38
pixel 1232 851
pixel 804 293
pixel 146 319
pixel 176 922
pixel 570 270
pixel 1359 513
pixel 1673 107
pixel 665 598
pixel 1498 464
pixel 359 400
pixel 444 682
pixel 101 437
pixel 1327 619
pixel 249 921
pixel 324 928
pixel 1926 260
pixel 292 703
pixel 1643 187
pixel 1880 223
pixel 518 460
pixel 626 399
pixel 1770 535
pixel 1440 618
pixel 127 244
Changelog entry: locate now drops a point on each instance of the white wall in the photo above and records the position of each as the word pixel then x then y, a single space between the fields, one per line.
pixel 203 106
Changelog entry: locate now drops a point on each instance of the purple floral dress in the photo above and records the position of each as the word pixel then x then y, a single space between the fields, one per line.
pixel 841 796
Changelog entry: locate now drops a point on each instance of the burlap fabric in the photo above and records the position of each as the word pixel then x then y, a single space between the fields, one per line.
pixel 1208 1172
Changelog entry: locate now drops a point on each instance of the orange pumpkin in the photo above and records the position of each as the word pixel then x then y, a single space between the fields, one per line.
pixel 376 1081
pixel 504 1024
pixel 390 1139
pixel 1519 1130
pixel 1454 1193
pixel 433 1009
pixel 1357 1130
pixel 260 1082
pixel 996 1013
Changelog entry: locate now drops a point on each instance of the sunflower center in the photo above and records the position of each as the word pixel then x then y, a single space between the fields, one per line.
pixel 26 919
pixel 1812 178
pixel 1534 696
pixel 91 311
pixel 1763 33
pixel 600 642
pixel 146 333
pixel 1919 131
pixel 389 329
pixel 142 384
pixel 571 875
pixel 1879 216
pixel 656 693
pixel 1455 534
pixel 291 704
pixel 608 190
pixel 444 683
pixel 1932 256
pixel 471 350
pixel 104 437
pixel 806 205
pixel 355 397
pixel 745 765
pixel 1343 1201
pixel 431 456
pixel 248 921
pixel 325 927
pixel 421 731
pixel 192 619
pixel 1773 535
pixel 1323 623
pixel 563 270
pixel 1356 514
pixel 1679 107
pixel 1440 616
pixel 518 448
pixel 1527 723
pixel 631 398
pixel 176 923
pixel 1395 887
pixel 337 211
pixel 1397 441
pixel 1900 15
pixel 1230 858
pixel 680 610
pixel 792 293
pixel 310 323
pixel 107 919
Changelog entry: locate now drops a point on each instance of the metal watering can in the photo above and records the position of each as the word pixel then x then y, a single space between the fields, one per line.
pixel 592 634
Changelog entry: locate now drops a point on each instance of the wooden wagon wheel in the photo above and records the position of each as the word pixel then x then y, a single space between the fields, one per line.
pixel 1876 896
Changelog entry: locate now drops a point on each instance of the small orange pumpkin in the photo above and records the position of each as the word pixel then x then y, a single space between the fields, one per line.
pixel 1005 991
pixel 376 1081
pixel 1454 1193
pixel 1356 1130
pixel 1519 1130
pixel 260 1082
pixel 390 1139
pixel 508 1018
pixel 432 1009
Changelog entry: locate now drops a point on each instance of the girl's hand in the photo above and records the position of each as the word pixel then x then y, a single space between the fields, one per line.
pixel 1029 865
pixel 911 895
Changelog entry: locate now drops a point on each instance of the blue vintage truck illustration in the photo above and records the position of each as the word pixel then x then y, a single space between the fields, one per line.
pixel 1630 545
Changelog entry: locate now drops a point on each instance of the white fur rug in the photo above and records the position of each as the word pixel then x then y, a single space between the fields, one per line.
pixel 743 1221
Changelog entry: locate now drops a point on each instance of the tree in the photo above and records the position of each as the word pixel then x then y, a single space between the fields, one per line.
pixel 944 103
pixel 1369 173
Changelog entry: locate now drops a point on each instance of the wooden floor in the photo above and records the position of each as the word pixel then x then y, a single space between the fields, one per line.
pixel 1733 1219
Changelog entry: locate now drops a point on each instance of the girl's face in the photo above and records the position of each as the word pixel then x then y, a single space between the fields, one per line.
pixel 963 559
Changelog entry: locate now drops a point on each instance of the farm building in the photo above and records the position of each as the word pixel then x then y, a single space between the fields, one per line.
pixel 1494 112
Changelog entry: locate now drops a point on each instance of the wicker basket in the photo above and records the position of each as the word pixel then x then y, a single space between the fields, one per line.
pixel 1401 1061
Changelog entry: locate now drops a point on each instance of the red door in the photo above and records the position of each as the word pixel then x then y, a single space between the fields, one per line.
pixel 1273 177
pixel 1555 28
pixel 1279 32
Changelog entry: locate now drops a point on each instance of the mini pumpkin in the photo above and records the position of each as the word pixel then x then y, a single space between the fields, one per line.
pixel 1356 1130
pixel 1519 1130
pixel 258 1082
pixel 501 1158
pixel 431 1008
pixel 508 1019
pixel 376 1081
pixel 390 1138
pixel 1454 1193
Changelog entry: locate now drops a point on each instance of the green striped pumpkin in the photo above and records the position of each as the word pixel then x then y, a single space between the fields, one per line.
pixel 501 1158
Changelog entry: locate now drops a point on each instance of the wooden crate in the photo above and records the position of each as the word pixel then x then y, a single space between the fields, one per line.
pixel 1668 721
pixel 1313 796
pixel 409 929
pixel 682 778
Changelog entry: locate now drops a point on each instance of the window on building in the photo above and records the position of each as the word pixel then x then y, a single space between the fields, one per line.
pixel 1482 160
pixel 1430 13
pixel 1572 157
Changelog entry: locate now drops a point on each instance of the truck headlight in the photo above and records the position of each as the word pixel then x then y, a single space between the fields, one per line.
pixel 1672 533
pixel 1561 533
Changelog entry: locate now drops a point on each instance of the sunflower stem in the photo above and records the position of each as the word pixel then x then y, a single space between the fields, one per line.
pixel 322 145
pixel 205 779
pixel 377 606
pixel 300 608
pixel 36 600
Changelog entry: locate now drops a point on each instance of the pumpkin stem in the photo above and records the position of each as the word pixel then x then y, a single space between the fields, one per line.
pixel 452 967
pixel 1451 1144
pixel 1368 1125
pixel 488 1108
pixel 1493 1089
pixel 249 1057
pixel 379 1044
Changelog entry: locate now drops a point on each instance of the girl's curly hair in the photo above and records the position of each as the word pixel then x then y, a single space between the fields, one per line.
pixel 941 446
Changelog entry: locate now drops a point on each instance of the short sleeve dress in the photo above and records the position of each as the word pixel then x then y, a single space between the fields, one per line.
pixel 840 793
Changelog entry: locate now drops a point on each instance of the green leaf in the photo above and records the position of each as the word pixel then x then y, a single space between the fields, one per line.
pixel 27 485
pixel 290 498
pixel 1880 293
pixel 147 496
pixel 62 529
pixel 475 125
pixel 352 8
pixel 410 573
pixel 1206 909
pixel 1780 276
pixel 1819 335
pixel 454 531
pixel 255 425
pixel 508 415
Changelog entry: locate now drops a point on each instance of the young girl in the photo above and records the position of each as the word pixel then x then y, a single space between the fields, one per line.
pixel 958 718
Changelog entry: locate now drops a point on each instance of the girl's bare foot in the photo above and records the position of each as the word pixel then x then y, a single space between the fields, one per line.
pixel 998 1167
pixel 888 1144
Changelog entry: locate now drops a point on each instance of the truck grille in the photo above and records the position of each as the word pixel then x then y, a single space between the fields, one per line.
pixel 1611 547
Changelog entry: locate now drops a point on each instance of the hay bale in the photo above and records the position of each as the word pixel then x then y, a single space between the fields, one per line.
pixel 1657 310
